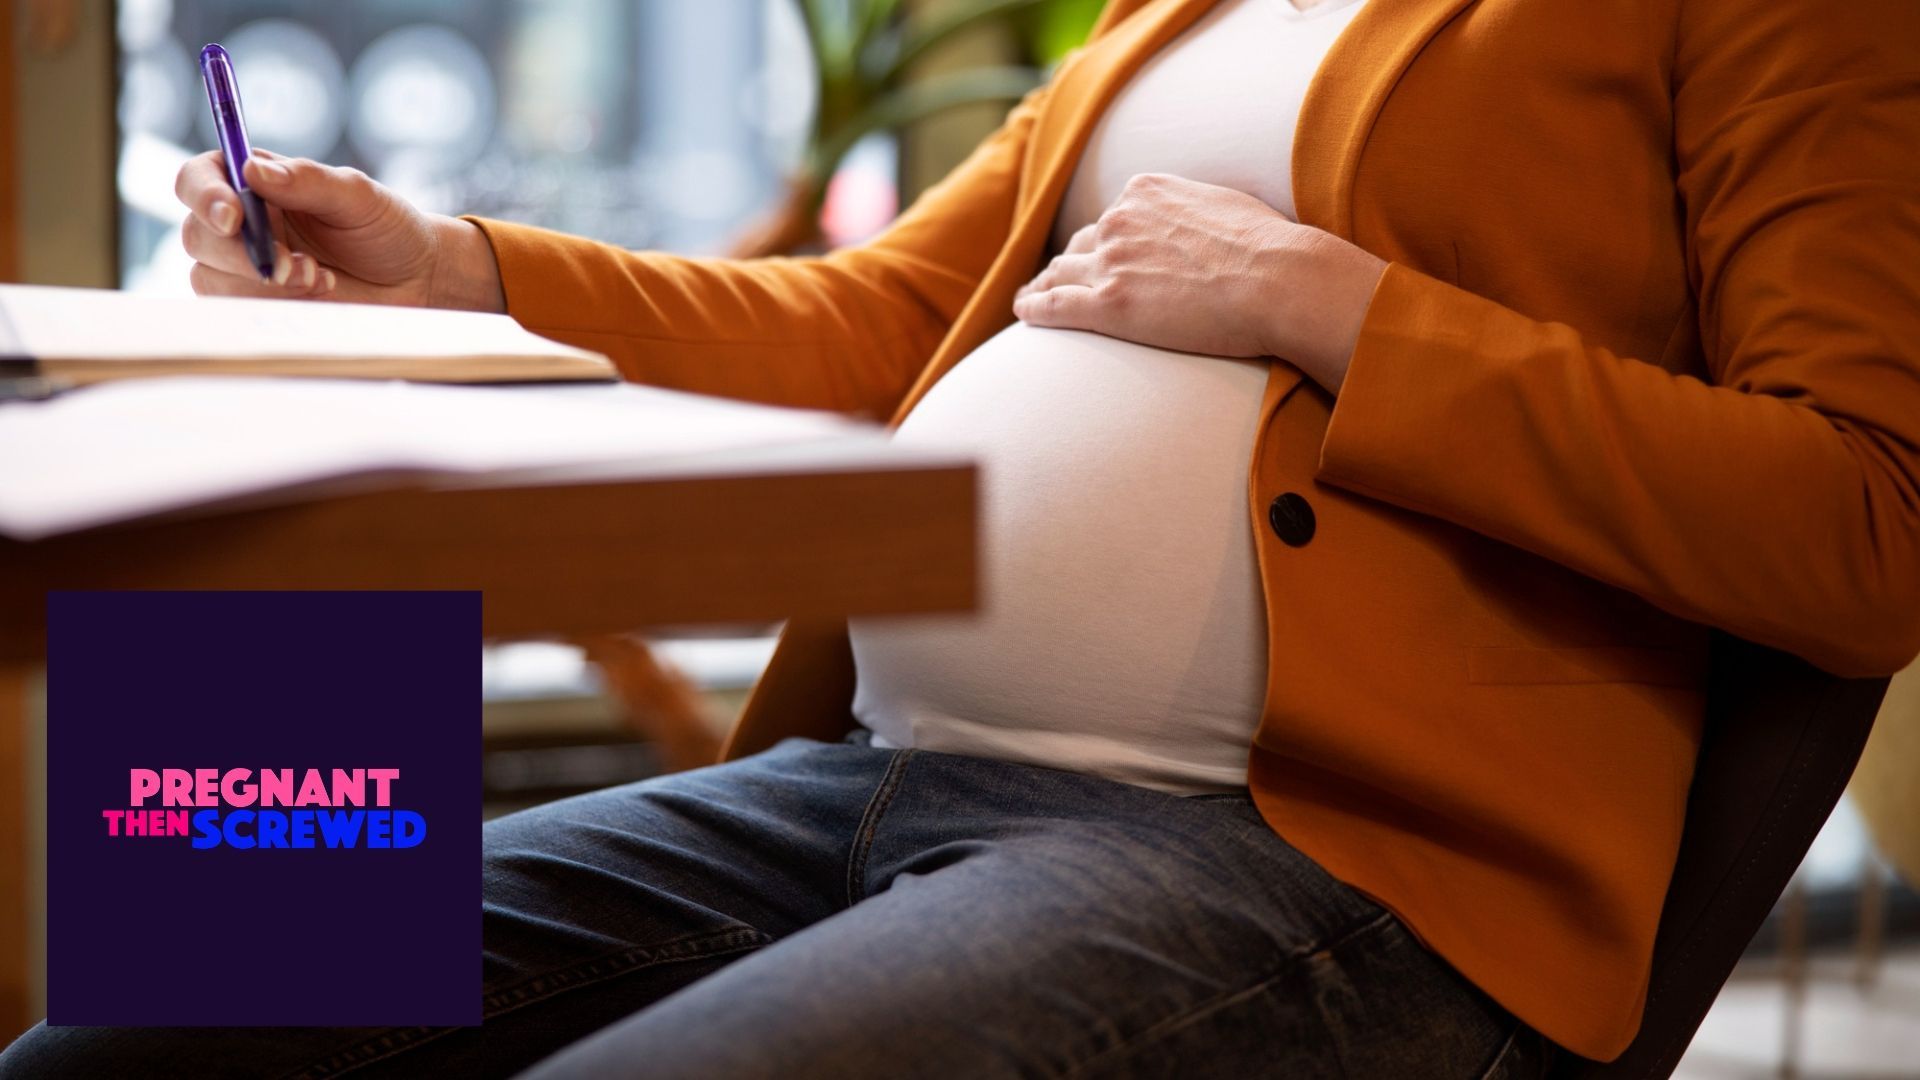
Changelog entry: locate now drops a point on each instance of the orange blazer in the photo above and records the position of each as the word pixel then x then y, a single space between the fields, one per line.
pixel 1646 358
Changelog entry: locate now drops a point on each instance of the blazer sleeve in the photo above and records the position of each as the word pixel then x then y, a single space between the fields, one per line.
pixel 847 331
pixel 1780 500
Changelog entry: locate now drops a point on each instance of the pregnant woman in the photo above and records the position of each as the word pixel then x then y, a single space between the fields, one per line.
pixel 1378 402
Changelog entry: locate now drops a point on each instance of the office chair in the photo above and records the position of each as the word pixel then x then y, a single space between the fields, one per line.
pixel 1781 739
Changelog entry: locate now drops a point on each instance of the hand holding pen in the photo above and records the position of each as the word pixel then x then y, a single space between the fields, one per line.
pixel 320 232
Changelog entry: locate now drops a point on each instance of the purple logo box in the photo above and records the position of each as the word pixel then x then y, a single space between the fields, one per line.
pixel 263 808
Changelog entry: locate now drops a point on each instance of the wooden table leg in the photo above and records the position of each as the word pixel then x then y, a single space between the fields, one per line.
pixel 20 787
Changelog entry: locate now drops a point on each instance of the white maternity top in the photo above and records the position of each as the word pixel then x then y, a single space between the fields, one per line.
pixel 1121 630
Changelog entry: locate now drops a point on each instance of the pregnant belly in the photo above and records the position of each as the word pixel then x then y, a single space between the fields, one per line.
pixel 1121 602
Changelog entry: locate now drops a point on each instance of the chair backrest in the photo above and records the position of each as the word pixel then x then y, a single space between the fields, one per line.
pixel 1781 739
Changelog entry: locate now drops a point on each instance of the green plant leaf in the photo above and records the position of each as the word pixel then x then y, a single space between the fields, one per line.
pixel 875 17
pixel 1060 26
pixel 833 33
pixel 928 32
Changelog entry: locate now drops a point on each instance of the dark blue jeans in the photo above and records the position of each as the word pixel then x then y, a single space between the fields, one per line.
pixel 839 910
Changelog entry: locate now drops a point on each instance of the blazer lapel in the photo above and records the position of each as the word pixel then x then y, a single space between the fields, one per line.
pixel 1345 95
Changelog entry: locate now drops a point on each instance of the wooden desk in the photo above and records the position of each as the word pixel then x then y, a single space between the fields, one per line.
pixel 773 536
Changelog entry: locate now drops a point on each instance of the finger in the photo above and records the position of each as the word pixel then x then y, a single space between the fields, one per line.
pixel 1083 240
pixel 297 273
pixel 302 273
pixel 208 281
pixel 341 196
pixel 212 281
pixel 228 255
pixel 201 184
pixel 222 252
pixel 1070 307
pixel 1063 270
pixel 1074 270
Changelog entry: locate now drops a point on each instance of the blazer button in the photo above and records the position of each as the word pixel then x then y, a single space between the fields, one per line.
pixel 1292 519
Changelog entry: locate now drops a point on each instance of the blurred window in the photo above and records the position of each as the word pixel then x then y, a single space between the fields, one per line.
pixel 664 125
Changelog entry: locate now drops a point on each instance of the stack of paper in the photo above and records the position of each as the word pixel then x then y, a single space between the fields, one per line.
pixel 140 447
pixel 90 335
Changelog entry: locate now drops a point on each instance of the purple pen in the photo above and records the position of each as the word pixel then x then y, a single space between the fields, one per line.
pixel 223 93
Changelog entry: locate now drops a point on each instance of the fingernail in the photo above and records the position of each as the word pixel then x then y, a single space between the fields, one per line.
pixel 271 170
pixel 282 268
pixel 225 217
pixel 331 281
pixel 309 273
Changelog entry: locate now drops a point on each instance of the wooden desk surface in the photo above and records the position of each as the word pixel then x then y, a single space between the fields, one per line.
pixel 764 540
pixel 758 542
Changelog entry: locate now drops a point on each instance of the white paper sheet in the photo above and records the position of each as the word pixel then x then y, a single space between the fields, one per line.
pixel 129 449
pixel 52 323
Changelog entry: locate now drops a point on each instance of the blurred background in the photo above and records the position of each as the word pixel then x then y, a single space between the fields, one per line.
pixel 737 127
pixel 706 126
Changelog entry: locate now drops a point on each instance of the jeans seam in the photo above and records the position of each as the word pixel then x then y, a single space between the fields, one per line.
pixel 535 988
pixel 1499 1061
pixel 870 825
pixel 356 1056
pixel 1181 1020
pixel 695 946
pixel 1201 1010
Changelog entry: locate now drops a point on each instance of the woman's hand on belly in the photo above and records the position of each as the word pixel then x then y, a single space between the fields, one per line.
pixel 1182 265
